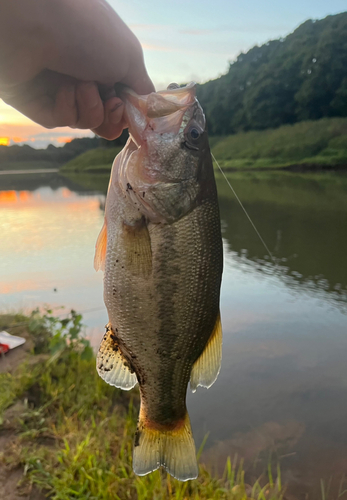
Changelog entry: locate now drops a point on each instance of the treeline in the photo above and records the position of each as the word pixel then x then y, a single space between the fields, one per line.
pixel 52 155
pixel 300 77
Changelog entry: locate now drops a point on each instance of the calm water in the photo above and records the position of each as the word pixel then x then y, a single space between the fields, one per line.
pixel 282 390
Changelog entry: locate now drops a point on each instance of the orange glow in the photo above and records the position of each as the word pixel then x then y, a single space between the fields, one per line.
pixel 66 193
pixel 25 199
pixel 25 195
pixel 8 197
pixel 14 196
pixel 19 139
pixel 64 140
pixel 4 141
pixel 18 286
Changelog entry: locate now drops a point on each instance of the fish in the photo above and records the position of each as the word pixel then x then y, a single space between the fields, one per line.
pixel 160 248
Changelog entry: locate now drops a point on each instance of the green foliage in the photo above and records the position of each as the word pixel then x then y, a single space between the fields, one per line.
pixel 93 161
pixel 74 434
pixel 321 142
pixel 61 337
pixel 300 77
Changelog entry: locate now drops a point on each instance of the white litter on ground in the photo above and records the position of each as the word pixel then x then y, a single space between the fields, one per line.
pixel 11 340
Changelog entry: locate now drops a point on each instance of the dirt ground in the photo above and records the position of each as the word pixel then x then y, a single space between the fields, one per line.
pixel 10 479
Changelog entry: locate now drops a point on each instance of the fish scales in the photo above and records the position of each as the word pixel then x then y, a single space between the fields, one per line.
pixel 162 251
pixel 166 331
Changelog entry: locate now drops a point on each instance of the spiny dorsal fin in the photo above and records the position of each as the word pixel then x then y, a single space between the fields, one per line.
pixel 111 364
pixel 137 243
pixel 100 249
pixel 172 448
pixel 206 368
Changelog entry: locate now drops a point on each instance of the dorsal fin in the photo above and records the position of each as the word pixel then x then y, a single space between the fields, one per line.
pixel 206 368
pixel 111 365
pixel 100 249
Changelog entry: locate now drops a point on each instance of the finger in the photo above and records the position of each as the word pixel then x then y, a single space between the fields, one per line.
pixel 49 100
pixel 142 84
pixel 137 77
pixel 89 105
pixel 65 109
pixel 114 122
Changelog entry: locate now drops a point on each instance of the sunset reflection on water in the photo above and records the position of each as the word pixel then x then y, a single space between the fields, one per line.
pixel 47 249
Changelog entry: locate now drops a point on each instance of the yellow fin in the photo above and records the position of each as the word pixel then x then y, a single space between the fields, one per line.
pixel 172 448
pixel 111 364
pixel 100 249
pixel 207 367
pixel 137 243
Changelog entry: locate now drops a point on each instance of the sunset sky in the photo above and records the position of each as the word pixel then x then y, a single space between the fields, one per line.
pixel 185 40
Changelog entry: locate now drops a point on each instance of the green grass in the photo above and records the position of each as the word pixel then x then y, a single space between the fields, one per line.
pixel 96 160
pixel 320 143
pixel 304 145
pixel 27 165
pixel 72 434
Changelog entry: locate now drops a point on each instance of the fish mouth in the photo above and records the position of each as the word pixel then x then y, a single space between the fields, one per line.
pixel 159 112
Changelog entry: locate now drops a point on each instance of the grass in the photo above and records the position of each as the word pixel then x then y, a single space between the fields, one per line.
pixel 27 165
pixel 72 434
pixel 96 160
pixel 312 144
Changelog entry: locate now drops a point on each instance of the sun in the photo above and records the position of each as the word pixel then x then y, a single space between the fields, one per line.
pixel 4 141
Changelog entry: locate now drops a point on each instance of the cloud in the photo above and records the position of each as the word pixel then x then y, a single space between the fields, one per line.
pixel 194 32
pixel 150 27
pixel 159 48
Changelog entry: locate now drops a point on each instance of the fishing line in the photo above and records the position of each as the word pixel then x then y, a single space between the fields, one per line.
pixel 245 211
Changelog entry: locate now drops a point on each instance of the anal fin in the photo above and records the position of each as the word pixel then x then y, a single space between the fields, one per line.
pixel 207 367
pixel 111 365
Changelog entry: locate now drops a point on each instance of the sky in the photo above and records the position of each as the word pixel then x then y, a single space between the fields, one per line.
pixel 186 40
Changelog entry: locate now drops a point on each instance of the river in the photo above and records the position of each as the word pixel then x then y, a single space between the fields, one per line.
pixel 281 395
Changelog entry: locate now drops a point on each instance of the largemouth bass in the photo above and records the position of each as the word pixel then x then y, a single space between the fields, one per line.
pixel 161 252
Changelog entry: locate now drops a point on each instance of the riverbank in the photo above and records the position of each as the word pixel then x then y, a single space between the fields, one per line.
pixel 304 146
pixel 95 161
pixel 66 434
pixel 310 145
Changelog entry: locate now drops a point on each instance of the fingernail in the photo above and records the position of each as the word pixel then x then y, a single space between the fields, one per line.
pixel 89 95
pixel 114 116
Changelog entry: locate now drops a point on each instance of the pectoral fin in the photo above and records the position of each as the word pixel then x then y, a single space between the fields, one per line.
pixel 112 365
pixel 137 243
pixel 206 368
pixel 100 249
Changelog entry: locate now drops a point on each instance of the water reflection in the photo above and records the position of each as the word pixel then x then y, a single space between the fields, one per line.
pixel 282 390
pixel 303 219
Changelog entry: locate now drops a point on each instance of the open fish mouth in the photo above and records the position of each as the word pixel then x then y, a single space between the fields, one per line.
pixel 164 112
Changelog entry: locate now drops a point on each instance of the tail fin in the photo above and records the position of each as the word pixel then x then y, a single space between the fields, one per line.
pixel 174 449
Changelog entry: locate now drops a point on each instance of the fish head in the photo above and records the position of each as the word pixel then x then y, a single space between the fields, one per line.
pixel 168 152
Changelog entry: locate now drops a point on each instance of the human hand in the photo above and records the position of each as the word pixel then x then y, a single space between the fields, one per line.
pixel 59 61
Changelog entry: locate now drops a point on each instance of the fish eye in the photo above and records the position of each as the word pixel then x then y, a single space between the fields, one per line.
pixel 194 133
